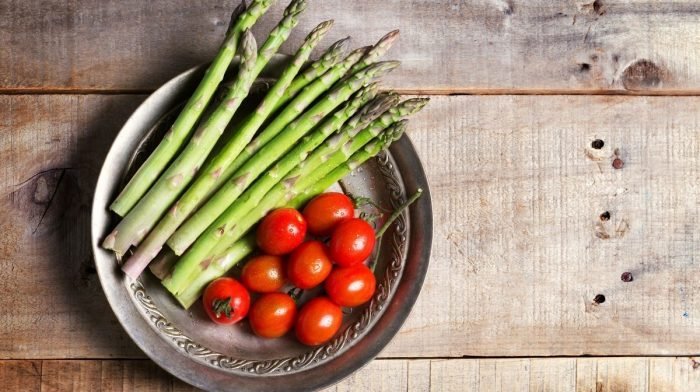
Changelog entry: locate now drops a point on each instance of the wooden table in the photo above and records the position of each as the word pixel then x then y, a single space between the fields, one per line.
pixel 532 223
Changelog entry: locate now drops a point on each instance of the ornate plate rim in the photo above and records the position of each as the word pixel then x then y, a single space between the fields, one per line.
pixel 203 376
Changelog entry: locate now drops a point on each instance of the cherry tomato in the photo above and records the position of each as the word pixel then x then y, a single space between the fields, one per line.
pixel 326 210
pixel 226 301
pixel 309 265
pixel 264 274
pixel 272 315
pixel 350 286
pixel 352 242
pixel 319 319
pixel 281 231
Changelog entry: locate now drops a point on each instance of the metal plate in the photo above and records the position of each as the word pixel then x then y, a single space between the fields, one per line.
pixel 215 357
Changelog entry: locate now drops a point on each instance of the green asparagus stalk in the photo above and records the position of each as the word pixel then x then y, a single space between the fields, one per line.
pixel 317 68
pixel 294 109
pixel 237 252
pixel 267 155
pixel 148 210
pixel 378 50
pixel 334 176
pixel 207 180
pixel 314 70
pixel 352 139
pixel 232 223
pixel 241 19
pixel 277 197
pixel 274 96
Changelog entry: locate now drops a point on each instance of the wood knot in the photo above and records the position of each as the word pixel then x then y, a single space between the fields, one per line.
pixel 643 74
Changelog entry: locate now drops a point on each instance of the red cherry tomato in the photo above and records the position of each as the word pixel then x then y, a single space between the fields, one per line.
pixel 326 210
pixel 264 274
pixel 319 319
pixel 281 231
pixel 352 242
pixel 226 301
pixel 309 265
pixel 272 315
pixel 350 286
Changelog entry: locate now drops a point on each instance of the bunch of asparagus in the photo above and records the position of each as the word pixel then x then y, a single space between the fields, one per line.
pixel 316 124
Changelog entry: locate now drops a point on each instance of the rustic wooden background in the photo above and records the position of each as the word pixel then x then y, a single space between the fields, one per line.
pixel 520 91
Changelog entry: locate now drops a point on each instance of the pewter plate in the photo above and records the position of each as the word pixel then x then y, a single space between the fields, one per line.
pixel 216 357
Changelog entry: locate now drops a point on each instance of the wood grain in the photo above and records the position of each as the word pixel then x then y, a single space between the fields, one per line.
pixel 476 46
pixel 641 374
pixel 519 250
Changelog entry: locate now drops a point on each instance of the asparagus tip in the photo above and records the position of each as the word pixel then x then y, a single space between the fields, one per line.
pixel 389 38
pixel 383 67
pixel 322 27
pixel 295 7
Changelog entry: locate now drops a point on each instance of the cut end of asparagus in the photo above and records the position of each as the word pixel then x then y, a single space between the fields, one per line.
pixel 110 240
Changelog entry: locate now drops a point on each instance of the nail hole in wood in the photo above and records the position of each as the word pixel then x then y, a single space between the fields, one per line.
pixel 584 67
pixel 626 277
pixel 605 216
pixel 599 299
pixel 597 144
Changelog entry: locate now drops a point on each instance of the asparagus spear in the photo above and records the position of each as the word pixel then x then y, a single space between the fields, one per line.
pixel 144 215
pixel 237 252
pixel 295 108
pixel 317 68
pixel 378 50
pixel 334 176
pixel 278 197
pixel 206 181
pixel 314 70
pixel 232 223
pixel 241 19
pixel 267 155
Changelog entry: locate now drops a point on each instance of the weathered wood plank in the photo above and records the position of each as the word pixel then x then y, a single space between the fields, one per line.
pixel 51 149
pixel 446 46
pixel 519 250
pixel 640 374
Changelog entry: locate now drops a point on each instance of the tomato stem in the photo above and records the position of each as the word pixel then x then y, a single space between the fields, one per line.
pixel 398 212
pixel 361 201
pixel 222 306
